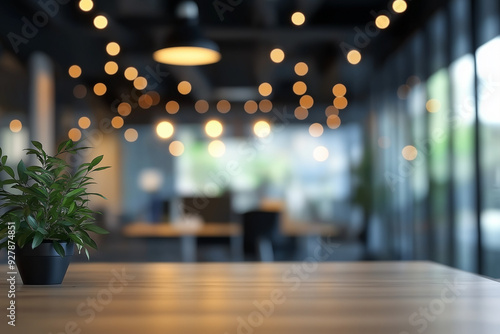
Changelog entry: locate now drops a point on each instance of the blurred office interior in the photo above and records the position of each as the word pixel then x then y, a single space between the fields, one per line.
pixel 371 125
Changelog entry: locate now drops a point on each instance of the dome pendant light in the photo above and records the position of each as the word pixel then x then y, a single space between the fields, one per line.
pixel 186 46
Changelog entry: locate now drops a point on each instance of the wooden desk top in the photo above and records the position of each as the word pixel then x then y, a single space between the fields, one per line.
pixel 260 298
pixel 305 229
pixel 178 230
pixel 141 229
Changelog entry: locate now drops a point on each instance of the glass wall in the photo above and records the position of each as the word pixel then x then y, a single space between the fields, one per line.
pixel 289 164
pixel 437 129
pixel 463 136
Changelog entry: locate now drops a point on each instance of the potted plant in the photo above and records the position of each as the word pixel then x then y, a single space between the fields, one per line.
pixel 47 213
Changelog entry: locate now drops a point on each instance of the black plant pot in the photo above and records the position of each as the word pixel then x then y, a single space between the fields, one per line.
pixel 42 265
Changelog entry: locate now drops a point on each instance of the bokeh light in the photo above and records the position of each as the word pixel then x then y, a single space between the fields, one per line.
pixel 382 22
pixel 265 89
pixel 216 148
pixel 333 122
pixel 84 122
pixel 301 68
pixel 113 48
pixel 172 107
pixel 201 106
pixel 74 134
pixel 354 57
pixel 306 101
pixel 176 148
pixel 262 129
pixel 124 109
pixel 299 88
pixel 15 125
pixel 298 18
pixel 117 122
pixel 251 107
pixel 86 5
pixel 80 91
pixel 265 106
pixel 223 106
pixel 399 6
pixel 339 90
pixel 100 22
pixel 140 83
pixel 184 87
pixel 213 128
pixel 165 130
pixel 316 130
pixel 277 55
pixel 409 153
pixel 301 113
pixel 433 105
pixel 111 67
pixel 320 153
pixel 130 73
pixel 74 71
pixel 131 135
pixel 100 89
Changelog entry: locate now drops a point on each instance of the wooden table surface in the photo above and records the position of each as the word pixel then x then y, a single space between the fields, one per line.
pixel 219 298
pixel 141 229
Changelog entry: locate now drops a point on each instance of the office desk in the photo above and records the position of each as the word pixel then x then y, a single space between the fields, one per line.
pixel 307 234
pixel 188 233
pixel 260 298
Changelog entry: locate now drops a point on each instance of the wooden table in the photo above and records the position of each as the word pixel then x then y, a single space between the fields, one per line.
pixel 306 233
pixel 219 298
pixel 188 233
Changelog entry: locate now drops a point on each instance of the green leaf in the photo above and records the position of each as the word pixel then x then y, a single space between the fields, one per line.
pixel 96 161
pixel 96 194
pixel 21 172
pixel 4 160
pixel 87 239
pixel 101 168
pixel 9 171
pixel 33 151
pixel 65 223
pixel 75 192
pixel 76 239
pixel 63 145
pixel 32 222
pixel 37 240
pixel 59 249
pixel 72 208
pixel 37 144
pixel 95 228
pixel 23 238
pixel 42 231
pixel 81 148
pixel 87 253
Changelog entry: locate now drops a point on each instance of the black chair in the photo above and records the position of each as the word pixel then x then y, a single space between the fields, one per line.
pixel 260 232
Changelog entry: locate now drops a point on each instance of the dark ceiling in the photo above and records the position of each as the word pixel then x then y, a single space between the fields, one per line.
pixel 246 32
